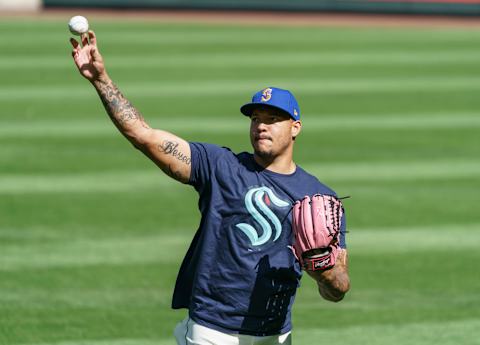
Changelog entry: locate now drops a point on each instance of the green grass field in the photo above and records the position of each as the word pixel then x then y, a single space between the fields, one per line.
pixel 92 234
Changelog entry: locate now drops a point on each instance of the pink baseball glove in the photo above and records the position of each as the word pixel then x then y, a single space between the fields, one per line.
pixel 316 226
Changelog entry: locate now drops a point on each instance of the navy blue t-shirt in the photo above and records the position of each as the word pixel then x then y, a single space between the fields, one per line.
pixel 240 274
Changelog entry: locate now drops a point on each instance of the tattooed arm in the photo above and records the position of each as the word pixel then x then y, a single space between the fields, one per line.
pixel 334 283
pixel 169 152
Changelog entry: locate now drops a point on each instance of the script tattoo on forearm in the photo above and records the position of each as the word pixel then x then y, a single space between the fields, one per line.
pixel 120 110
pixel 170 148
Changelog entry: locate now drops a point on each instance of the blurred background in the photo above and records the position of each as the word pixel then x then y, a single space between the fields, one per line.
pixel 92 234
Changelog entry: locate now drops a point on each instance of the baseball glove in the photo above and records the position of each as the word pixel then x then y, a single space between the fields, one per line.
pixel 316 226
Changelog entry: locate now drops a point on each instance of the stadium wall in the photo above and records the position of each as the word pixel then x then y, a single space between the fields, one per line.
pixel 440 7
pixel 20 5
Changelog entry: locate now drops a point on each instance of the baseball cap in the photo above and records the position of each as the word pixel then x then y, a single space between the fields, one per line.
pixel 275 98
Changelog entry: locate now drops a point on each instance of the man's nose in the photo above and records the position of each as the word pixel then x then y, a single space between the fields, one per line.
pixel 261 126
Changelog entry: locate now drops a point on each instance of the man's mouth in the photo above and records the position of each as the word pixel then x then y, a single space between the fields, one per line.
pixel 259 138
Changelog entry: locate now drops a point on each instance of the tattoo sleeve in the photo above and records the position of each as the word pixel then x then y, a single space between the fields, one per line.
pixel 123 114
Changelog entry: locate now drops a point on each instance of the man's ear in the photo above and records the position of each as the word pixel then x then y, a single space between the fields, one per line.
pixel 296 128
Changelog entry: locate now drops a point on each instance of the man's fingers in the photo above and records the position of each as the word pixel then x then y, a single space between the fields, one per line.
pixel 76 47
pixel 84 40
pixel 93 38
pixel 75 54
pixel 94 54
pixel 74 43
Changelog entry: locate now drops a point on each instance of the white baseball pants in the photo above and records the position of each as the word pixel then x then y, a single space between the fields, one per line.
pixel 188 332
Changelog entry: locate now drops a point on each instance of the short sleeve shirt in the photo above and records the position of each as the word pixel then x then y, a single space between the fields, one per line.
pixel 240 274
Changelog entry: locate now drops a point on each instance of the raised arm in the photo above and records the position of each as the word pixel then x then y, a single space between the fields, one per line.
pixel 169 152
pixel 333 283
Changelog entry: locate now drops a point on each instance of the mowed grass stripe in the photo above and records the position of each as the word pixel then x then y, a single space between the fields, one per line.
pixel 87 182
pixel 175 88
pixel 121 341
pixel 396 171
pixel 198 34
pixel 374 298
pixel 170 248
pixel 126 180
pixel 427 238
pixel 428 333
pixel 84 252
pixel 262 59
pixel 101 126
pixel 32 297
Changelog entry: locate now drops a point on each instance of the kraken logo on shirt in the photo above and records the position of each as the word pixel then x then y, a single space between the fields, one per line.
pixel 256 201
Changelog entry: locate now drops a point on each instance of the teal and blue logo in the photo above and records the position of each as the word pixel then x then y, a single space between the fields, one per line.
pixel 257 201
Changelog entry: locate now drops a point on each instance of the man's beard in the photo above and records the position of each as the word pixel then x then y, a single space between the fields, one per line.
pixel 266 155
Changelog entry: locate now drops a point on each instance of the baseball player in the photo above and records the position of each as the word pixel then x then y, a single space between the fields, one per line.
pixel 240 274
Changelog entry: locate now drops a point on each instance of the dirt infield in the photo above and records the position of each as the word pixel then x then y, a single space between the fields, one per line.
pixel 261 18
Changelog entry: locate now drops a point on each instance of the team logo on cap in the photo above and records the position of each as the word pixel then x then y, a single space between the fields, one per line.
pixel 295 112
pixel 266 94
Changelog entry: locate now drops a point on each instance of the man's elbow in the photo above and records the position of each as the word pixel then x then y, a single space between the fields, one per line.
pixel 332 297
pixel 140 138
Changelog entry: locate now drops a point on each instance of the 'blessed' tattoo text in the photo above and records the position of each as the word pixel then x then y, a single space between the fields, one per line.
pixel 170 148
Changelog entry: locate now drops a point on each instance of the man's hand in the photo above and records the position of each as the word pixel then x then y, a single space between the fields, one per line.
pixel 87 58
pixel 334 283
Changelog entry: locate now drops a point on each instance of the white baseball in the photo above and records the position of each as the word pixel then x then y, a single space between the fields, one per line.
pixel 78 25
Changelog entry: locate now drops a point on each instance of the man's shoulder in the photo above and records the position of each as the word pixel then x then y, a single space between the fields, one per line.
pixel 210 150
pixel 314 184
pixel 208 146
pixel 220 154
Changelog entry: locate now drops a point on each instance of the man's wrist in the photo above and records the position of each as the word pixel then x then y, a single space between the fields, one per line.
pixel 102 78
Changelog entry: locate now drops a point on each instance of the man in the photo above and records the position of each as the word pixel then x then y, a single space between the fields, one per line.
pixel 239 276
